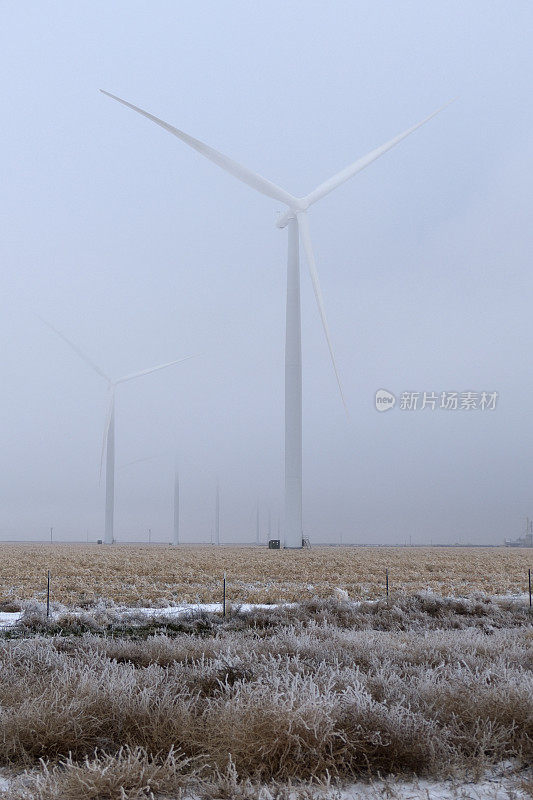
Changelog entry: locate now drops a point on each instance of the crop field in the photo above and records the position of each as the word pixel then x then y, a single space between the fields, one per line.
pixel 159 575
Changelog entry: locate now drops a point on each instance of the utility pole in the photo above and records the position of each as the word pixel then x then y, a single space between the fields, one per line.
pixel 51 534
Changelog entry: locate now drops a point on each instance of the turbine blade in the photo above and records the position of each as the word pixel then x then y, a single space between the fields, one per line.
pixel 109 414
pixel 238 171
pixel 152 369
pixel 303 226
pixel 140 460
pixel 347 173
pixel 77 350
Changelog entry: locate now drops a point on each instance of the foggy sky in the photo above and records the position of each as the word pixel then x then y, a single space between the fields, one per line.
pixel 142 252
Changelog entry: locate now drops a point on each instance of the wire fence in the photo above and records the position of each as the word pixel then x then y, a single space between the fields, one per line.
pixel 46 594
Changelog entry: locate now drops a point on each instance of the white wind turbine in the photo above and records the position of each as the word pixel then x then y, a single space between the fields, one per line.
pixel 108 443
pixel 295 218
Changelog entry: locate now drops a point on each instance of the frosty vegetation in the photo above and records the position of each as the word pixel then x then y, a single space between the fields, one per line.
pixel 118 707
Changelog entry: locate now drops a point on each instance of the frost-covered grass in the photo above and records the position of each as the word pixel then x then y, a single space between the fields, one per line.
pixel 142 575
pixel 132 775
pixel 423 612
pixel 316 693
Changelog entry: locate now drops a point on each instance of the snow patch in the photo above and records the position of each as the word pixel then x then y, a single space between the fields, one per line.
pixel 490 789
pixel 9 618
pixel 341 594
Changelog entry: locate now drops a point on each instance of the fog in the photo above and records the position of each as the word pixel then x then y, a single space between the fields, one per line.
pixel 142 252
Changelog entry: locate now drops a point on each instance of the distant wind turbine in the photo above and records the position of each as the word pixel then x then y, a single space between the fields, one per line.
pixel 295 218
pixel 108 443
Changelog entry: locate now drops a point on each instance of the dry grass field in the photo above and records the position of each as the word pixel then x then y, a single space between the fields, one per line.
pixel 160 575
pixel 268 705
pixel 289 703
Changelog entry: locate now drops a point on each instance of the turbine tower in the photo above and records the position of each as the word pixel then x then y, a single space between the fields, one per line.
pixel 217 515
pixel 295 219
pixel 176 528
pixel 108 443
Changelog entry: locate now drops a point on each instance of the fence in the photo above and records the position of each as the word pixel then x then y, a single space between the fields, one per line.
pixel 224 606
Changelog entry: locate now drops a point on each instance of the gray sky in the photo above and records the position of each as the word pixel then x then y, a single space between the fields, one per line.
pixel 141 252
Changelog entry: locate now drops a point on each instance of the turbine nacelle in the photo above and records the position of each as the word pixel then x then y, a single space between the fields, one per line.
pixel 285 217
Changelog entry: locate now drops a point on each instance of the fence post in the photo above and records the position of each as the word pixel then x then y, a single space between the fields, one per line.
pixel 224 596
pixel 48 595
pixel 529 578
pixel 387 580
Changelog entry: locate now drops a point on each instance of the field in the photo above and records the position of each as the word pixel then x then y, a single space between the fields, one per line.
pixel 161 575
pixel 324 698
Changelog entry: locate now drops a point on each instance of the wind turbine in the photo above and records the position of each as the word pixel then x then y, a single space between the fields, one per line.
pixel 295 219
pixel 108 443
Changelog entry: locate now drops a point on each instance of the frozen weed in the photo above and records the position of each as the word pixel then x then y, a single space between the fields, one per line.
pixel 131 774
pixel 331 691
